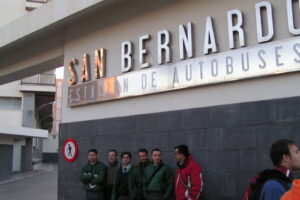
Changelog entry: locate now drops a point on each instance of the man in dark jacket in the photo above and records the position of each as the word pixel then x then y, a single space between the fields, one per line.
pixel 144 161
pixel 188 180
pixel 157 179
pixel 127 183
pixel 93 177
pixel 112 169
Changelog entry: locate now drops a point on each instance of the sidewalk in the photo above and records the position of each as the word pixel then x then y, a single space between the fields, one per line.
pixel 41 183
pixel 38 169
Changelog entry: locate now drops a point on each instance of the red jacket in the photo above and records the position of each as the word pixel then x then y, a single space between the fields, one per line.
pixel 188 175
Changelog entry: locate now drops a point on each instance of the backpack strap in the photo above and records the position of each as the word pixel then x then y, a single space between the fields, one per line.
pixel 188 188
pixel 184 184
pixel 153 174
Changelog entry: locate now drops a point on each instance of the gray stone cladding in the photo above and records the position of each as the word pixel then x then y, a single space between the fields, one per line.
pixel 230 142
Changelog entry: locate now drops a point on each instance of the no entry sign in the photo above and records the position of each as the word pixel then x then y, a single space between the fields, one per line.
pixel 70 150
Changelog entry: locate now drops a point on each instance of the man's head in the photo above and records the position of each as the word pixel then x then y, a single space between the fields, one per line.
pixel 284 153
pixel 112 156
pixel 156 156
pixel 126 158
pixel 92 155
pixel 143 155
pixel 181 152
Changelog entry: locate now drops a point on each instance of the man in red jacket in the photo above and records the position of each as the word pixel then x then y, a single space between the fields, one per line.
pixel 188 180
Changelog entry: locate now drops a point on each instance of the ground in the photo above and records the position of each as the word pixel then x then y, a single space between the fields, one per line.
pixel 34 186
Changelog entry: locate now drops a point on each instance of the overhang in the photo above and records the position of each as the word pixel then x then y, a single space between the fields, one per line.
pixel 23 131
pixel 34 43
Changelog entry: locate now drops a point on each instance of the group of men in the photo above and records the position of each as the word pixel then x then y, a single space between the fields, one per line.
pixel 154 180
pixel 149 180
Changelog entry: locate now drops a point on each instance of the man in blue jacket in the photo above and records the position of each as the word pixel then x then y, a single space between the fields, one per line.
pixel 286 158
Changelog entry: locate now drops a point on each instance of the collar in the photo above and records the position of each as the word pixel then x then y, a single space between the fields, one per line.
pixel 160 164
pixel 128 167
pixel 144 164
pixel 183 164
pixel 93 163
pixel 113 164
pixel 285 171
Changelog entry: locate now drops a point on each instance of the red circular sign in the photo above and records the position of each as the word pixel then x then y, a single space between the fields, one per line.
pixel 70 150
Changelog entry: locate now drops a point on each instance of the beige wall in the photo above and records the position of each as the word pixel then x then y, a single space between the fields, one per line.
pixel 11 118
pixel 11 89
pixel 90 34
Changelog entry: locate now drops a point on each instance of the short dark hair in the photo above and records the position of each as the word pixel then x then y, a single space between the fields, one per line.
pixel 93 150
pixel 155 149
pixel 113 150
pixel 279 149
pixel 183 149
pixel 126 153
pixel 143 150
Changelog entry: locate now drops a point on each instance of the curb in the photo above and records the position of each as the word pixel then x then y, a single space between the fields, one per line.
pixel 37 173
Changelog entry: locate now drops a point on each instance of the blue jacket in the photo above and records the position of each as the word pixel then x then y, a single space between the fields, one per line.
pixel 272 190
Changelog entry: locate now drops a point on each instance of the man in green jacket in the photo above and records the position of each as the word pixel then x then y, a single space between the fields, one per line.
pixel 93 177
pixel 158 179
pixel 127 184
pixel 144 161
pixel 112 169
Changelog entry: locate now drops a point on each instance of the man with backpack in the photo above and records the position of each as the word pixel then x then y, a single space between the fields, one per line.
pixel 271 184
pixel 157 179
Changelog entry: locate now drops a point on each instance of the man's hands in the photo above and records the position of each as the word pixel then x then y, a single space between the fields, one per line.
pixel 88 174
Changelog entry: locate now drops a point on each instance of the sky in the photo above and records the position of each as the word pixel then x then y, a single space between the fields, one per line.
pixel 59 73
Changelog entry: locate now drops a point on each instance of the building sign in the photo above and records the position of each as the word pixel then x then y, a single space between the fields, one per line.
pixel 70 150
pixel 262 60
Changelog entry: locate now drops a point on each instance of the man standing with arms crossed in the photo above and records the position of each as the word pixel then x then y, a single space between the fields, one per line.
pixel 93 177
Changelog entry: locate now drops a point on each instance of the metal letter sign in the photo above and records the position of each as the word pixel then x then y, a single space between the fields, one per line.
pixel 70 150
pixel 263 60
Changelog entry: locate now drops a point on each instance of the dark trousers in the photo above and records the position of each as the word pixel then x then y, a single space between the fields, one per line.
pixel 155 196
pixel 108 192
pixel 123 197
pixel 94 195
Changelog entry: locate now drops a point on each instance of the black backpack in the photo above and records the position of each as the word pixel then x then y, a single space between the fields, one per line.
pixel 255 188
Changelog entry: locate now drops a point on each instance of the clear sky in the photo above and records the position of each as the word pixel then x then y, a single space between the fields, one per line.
pixel 59 73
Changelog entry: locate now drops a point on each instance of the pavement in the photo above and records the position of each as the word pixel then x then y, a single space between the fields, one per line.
pixel 41 183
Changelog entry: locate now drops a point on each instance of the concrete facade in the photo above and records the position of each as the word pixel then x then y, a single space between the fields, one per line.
pixel 89 34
